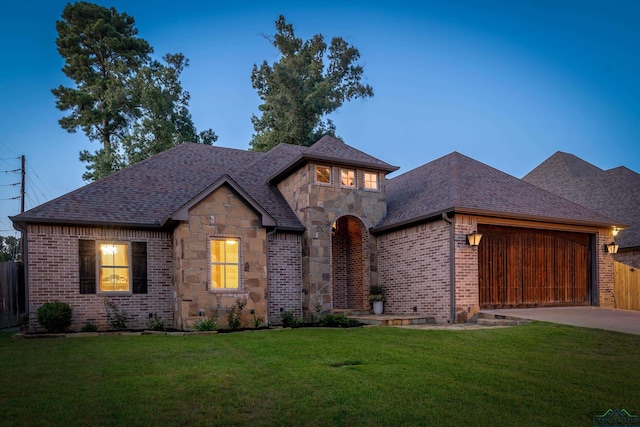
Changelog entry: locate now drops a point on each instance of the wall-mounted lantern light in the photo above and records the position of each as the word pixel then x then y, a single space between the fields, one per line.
pixel 474 238
pixel 612 248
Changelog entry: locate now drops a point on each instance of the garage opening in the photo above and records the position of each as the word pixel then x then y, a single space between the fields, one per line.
pixel 520 267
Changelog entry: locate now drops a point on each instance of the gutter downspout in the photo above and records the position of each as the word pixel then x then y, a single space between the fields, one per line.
pixel 452 267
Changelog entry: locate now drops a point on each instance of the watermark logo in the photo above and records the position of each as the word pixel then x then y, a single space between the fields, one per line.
pixel 616 417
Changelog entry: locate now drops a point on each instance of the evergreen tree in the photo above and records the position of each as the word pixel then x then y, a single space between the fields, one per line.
pixel 116 99
pixel 302 87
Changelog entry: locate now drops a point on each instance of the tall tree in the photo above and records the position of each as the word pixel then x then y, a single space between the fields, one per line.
pixel 302 87
pixel 114 78
pixel 165 120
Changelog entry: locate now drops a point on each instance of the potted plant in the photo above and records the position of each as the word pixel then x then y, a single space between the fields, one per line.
pixel 376 297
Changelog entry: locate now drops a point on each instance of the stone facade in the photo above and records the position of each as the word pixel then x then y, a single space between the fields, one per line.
pixel 59 280
pixel 222 214
pixel 318 206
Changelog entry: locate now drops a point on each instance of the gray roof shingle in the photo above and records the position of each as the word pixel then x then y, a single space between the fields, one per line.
pixel 614 192
pixel 460 184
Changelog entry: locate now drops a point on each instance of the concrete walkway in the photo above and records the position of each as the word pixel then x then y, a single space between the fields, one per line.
pixel 610 319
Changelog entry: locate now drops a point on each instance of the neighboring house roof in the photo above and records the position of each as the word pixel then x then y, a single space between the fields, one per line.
pixel 457 183
pixel 614 192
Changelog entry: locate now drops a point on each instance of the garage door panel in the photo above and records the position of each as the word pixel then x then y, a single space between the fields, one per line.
pixel 523 267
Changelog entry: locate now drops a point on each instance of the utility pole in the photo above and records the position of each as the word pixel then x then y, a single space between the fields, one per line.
pixel 22 184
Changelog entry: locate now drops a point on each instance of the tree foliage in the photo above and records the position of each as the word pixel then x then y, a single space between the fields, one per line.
pixel 9 248
pixel 302 87
pixel 121 97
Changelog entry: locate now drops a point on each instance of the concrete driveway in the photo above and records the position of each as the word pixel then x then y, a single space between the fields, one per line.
pixel 610 319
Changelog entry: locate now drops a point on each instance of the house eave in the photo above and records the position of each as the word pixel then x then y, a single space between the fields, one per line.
pixel 21 224
pixel 493 214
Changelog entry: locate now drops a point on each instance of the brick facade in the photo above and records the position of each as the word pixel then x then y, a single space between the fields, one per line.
pixel 413 268
pixel 284 268
pixel 53 274
pixel 221 214
pixel 466 268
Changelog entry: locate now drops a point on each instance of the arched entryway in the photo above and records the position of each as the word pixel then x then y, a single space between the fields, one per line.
pixel 350 256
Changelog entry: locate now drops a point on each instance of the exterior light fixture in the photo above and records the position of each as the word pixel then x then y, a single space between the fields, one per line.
pixel 334 228
pixel 615 231
pixel 474 238
pixel 612 248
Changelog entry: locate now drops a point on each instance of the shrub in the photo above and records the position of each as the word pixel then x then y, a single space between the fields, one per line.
pixel 207 324
pixel 376 293
pixel 156 323
pixel 116 318
pixel 55 316
pixel 89 327
pixel 337 321
pixel 234 314
pixel 289 319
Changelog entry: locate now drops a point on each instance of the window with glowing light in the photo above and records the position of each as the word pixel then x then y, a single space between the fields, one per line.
pixel 347 177
pixel 225 263
pixel 114 267
pixel 323 174
pixel 370 181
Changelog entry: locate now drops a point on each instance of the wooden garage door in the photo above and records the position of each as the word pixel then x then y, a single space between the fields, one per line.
pixel 526 267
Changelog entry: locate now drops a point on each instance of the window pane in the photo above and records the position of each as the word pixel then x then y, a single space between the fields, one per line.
pixel 114 254
pixel 231 280
pixel 348 177
pixel 217 251
pixel 371 180
pixel 114 279
pixel 323 174
pixel 217 274
pixel 231 250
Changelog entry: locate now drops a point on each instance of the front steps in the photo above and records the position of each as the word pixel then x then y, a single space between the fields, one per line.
pixel 490 319
pixel 366 317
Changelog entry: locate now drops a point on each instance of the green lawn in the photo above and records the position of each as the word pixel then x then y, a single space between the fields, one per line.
pixel 538 374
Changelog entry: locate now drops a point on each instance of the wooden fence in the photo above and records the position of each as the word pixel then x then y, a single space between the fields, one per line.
pixel 626 286
pixel 12 293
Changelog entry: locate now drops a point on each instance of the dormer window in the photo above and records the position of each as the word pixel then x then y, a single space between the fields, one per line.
pixel 348 178
pixel 370 181
pixel 323 174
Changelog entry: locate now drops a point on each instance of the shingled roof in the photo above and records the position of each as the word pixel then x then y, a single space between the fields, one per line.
pixel 614 192
pixel 154 192
pixel 148 193
pixel 457 183
pixel 331 150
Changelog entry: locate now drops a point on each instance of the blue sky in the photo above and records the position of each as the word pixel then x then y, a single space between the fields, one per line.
pixel 508 83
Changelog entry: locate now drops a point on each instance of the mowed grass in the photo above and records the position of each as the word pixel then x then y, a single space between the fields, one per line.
pixel 538 374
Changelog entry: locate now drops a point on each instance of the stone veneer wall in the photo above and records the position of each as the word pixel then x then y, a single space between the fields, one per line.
pixel 53 274
pixel 318 206
pixel 221 214
pixel 284 252
pixel 413 268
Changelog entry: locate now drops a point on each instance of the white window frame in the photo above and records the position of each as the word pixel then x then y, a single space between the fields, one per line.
pixel 366 182
pixel 342 178
pixel 315 174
